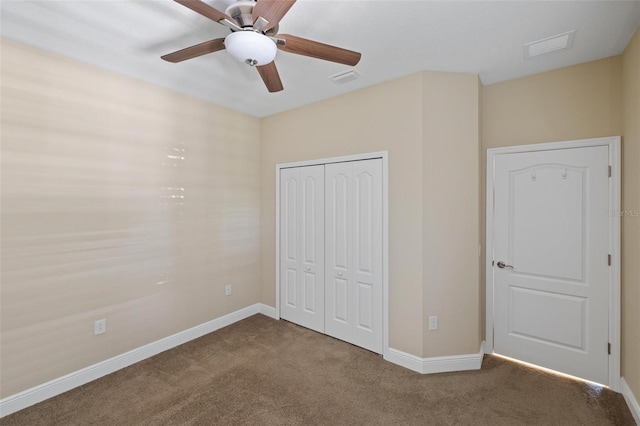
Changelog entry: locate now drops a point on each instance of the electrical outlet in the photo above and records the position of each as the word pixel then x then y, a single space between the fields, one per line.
pixel 433 323
pixel 100 326
pixel 227 290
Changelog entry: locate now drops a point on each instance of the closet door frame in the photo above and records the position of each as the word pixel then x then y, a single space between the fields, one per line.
pixel 383 155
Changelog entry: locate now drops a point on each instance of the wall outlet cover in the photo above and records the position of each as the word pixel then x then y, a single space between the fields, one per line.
pixel 100 326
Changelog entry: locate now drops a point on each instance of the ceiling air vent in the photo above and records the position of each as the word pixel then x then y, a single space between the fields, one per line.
pixel 345 77
pixel 548 45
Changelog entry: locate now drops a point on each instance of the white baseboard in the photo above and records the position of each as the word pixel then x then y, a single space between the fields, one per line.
pixel 440 364
pixel 269 311
pixel 39 393
pixel 632 402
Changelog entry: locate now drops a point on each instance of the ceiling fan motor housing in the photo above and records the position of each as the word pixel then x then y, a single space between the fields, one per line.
pixel 242 11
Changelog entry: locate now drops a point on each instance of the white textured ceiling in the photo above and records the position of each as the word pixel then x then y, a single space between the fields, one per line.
pixel 395 38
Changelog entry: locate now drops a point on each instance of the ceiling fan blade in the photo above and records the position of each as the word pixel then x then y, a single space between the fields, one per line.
pixel 205 10
pixel 270 76
pixel 314 49
pixel 271 10
pixel 195 51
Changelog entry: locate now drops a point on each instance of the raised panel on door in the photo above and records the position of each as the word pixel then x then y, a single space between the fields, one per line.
pixel 551 303
pixel 289 232
pixel 353 214
pixel 313 245
pixel 302 246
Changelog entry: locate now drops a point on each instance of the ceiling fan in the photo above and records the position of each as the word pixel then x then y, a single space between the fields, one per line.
pixel 254 38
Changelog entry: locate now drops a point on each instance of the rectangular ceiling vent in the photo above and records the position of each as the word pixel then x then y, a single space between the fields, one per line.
pixel 345 77
pixel 549 44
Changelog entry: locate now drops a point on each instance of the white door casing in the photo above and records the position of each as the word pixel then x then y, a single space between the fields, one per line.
pixel 353 248
pixel 302 246
pixel 558 305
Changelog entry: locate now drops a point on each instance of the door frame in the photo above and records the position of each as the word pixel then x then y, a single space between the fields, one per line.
pixel 613 144
pixel 384 155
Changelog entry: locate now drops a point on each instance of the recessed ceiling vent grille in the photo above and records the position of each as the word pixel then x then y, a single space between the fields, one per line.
pixel 549 44
pixel 345 77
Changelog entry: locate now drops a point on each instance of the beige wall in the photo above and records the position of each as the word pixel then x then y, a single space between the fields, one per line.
pixel 578 102
pixel 631 222
pixel 419 119
pixel 89 227
pixel 450 164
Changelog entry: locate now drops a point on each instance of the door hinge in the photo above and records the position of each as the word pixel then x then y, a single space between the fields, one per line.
pixel 609 348
pixel 609 171
pixel 609 259
pixel 493 263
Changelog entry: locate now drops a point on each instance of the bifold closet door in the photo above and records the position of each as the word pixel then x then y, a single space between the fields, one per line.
pixel 353 252
pixel 302 246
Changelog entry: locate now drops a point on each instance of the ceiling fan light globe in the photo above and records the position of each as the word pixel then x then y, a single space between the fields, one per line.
pixel 250 47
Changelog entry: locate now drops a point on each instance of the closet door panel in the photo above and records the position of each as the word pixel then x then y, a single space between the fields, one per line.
pixel 338 253
pixel 367 248
pixel 302 246
pixel 353 215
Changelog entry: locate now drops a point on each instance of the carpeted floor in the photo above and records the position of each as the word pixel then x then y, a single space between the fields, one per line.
pixel 265 372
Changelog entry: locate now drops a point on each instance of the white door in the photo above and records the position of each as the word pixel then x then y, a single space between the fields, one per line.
pixel 551 237
pixel 302 246
pixel 353 215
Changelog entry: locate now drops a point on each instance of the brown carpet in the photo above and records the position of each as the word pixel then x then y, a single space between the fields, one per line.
pixel 265 372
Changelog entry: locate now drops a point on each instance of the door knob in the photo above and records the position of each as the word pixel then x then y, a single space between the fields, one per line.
pixel 308 268
pixel 339 274
pixel 502 265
